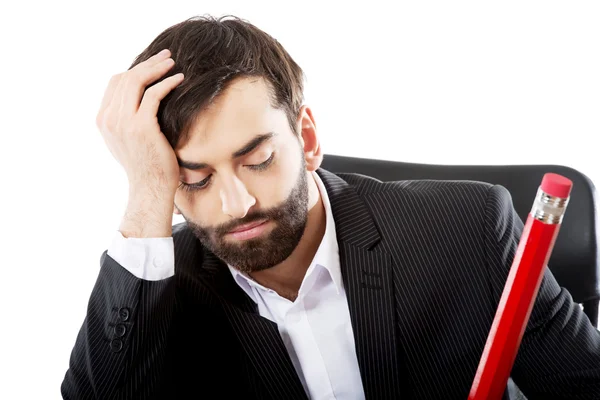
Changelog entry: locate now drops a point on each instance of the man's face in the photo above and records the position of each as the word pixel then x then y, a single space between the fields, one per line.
pixel 250 203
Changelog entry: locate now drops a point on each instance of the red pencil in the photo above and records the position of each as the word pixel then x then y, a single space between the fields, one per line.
pixel 522 285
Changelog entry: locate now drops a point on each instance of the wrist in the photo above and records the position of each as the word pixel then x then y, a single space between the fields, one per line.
pixel 147 217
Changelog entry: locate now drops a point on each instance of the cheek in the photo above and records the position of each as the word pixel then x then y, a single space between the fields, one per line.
pixel 270 193
pixel 200 209
pixel 273 187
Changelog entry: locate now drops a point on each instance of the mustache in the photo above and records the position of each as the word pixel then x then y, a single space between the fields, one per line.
pixel 256 216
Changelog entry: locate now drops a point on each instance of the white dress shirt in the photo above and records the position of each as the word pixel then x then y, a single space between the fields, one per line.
pixel 315 328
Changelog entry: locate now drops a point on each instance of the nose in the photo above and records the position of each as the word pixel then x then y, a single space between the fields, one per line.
pixel 235 199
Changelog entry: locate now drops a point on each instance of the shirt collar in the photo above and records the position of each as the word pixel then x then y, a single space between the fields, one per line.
pixel 327 255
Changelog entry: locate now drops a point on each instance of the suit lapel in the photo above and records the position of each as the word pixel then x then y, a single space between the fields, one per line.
pixel 258 336
pixel 368 281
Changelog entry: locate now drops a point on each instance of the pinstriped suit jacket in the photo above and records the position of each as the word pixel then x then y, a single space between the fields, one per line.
pixel 424 264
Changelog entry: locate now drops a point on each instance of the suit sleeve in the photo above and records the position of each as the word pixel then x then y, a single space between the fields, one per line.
pixel 559 356
pixel 121 346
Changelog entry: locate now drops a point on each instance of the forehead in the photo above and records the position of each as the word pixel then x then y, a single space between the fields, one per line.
pixel 240 113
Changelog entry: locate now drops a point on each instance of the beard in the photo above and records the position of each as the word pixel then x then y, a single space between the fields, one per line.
pixel 270 249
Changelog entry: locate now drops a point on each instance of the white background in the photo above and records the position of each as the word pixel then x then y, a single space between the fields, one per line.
pixel 454 82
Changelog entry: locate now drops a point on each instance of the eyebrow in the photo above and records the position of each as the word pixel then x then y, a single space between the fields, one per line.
pixel 247 148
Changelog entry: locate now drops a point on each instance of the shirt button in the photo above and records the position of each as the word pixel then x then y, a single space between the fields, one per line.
pixel 158 262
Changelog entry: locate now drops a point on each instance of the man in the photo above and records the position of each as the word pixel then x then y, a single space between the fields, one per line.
pixel 287 281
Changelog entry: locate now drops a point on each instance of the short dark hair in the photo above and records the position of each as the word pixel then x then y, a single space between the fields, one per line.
pixel 212 52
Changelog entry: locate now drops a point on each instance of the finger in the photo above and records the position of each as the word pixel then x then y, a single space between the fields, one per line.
pixel 108 95
pixel 115 80
pixel 136 82
pixel 155 59
pixel 154 94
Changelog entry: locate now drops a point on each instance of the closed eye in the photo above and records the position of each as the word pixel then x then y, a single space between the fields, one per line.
pixel 263 165
pixel 203 184
pixel 190 187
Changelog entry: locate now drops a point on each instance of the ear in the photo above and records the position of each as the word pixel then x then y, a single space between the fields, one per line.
pixel 307 129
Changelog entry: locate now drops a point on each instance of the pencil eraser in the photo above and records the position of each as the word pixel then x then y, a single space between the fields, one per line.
pixel 556 185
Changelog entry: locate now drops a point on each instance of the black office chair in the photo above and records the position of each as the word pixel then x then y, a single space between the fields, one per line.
pixel 575 260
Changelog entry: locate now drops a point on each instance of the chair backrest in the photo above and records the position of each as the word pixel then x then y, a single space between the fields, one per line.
pixel 575 260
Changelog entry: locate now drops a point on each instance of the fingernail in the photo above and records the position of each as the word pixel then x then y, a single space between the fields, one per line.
pixel 164 52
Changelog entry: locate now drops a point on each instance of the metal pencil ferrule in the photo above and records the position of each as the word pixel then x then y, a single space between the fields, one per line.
pixel 549 209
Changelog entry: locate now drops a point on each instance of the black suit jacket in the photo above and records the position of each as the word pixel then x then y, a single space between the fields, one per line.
pixel 424 264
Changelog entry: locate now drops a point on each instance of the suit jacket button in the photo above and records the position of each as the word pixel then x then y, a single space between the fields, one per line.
pixel 124 313
pixel 116 345
pixel 120 330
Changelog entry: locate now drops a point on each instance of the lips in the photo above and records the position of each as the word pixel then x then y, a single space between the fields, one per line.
pixel 248 226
